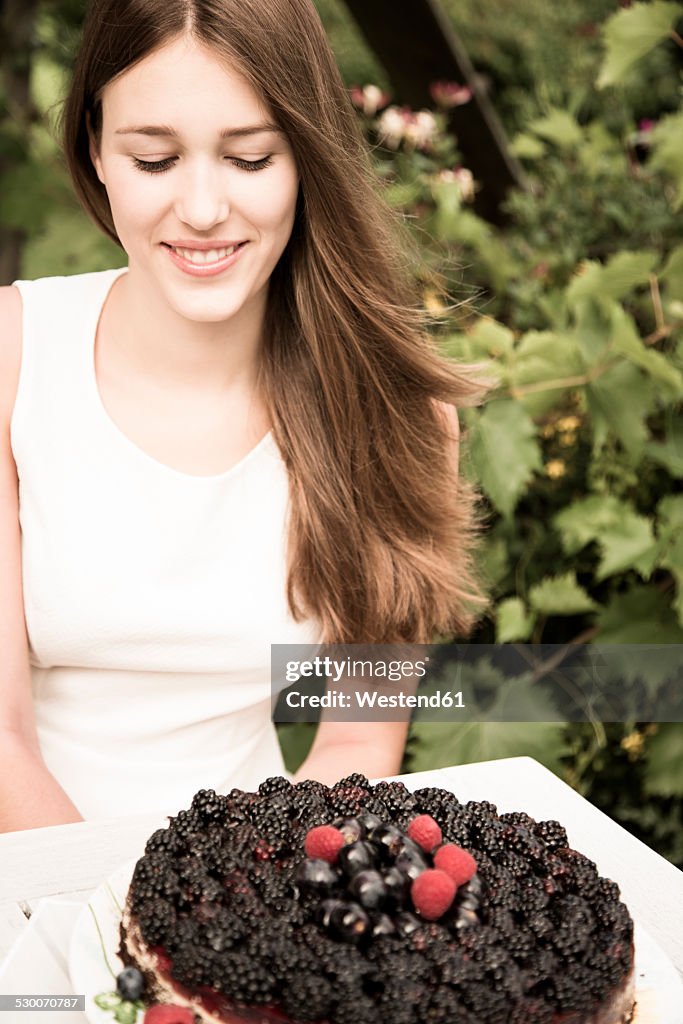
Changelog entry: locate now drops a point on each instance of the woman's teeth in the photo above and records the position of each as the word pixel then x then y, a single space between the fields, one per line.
pixel 202 256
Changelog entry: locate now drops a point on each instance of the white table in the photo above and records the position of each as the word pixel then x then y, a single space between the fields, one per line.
pixel 72 860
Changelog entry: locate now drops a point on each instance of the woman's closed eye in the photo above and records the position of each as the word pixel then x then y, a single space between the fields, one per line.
pixel 159 166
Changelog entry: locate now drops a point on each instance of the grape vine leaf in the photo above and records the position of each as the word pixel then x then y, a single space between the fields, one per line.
pixel 670 535
pixel 505 452
pixel 440 744
pixel 631 33
pixel 664 775
pixel 625 538
pixel 640 615
pixel 628 544
pixel 667 150
pixel 626 342
pixel 560 595
pixel 612 280
pixel 618 401
pixel 559 127
pixel 586 520
pixel 513 621
pixel 669 452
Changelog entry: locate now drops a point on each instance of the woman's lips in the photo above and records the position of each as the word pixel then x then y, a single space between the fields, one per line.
pixel 203 267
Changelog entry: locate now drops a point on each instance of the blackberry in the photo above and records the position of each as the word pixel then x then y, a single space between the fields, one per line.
pixel 273 785
pixel 355 779
pixel 307 997
pixel 552 833
pixel 154 876
pixel 245 980
pixel 209 805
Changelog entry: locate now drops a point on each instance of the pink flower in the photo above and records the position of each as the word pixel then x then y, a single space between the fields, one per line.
pixel 369 99
pixel 450 94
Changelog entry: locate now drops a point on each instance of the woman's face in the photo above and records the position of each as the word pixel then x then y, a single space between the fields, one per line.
pixel 202 185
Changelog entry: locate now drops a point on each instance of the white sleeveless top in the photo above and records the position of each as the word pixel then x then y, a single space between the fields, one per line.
pixel 151 596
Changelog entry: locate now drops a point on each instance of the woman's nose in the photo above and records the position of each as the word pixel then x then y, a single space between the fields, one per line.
pixel 202 200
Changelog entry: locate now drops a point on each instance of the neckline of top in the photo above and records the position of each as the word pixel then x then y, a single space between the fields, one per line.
pixel 109 278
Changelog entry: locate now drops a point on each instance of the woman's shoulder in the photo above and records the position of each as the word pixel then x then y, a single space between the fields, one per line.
pixel 67 284
pixel 10 348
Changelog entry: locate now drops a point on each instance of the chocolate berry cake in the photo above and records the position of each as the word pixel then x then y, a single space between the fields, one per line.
pixel 361 904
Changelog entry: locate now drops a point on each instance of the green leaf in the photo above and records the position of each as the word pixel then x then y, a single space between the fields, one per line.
pixel 625 538
pixel 513 621
pixel 586 520
pixel 494 559
pixel 612 280
pixel 667 150
pixel 108 1000
pixel 669 453
pixel 619 401
pixel 626 342
pixel 492 338
pixel 631 33
pixel 527 147
pixel 540 357
pixel 126 1013
pixel 629 544
pixel 670 535
pixel 672 273
pixel 558 127
pixel 664 775
pixel 439 744
pixel 640 615
pixel 505 452
pixel 560 595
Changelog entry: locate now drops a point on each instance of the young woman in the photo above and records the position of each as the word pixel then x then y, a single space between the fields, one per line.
pixel 244 437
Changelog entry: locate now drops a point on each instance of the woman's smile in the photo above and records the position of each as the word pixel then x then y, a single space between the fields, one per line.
pixel 215 200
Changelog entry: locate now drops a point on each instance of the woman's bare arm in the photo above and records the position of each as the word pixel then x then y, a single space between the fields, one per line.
pixel 29 795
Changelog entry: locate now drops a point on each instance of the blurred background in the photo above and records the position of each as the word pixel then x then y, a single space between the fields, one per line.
pixel 535 154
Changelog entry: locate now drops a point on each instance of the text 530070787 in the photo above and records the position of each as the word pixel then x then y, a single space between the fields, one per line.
pixel 40 1002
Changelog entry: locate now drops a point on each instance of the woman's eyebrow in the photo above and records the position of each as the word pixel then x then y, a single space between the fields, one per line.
pixel 166 131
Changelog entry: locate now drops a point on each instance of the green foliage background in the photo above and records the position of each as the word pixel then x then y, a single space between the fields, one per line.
pixel 577 301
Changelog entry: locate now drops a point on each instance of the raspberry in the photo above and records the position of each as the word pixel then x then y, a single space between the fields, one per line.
pixel 424 831
pixel 324 842
pixel 456 862
pixel 168 1013
pixel 432 893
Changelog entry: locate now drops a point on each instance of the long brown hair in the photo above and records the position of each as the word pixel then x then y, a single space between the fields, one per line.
pixel 381 526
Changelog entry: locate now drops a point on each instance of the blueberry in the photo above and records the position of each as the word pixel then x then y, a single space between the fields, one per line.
pixel 407 923
pixel 382 925
pixel 349 922
pixel 368 822
pixel 315 876
pixel 411 863
pixel 350 828
pixel 397 885
pixel 369 889
pixel 130 984
pixel 389 841
pixel 465 918
pixel 324 911
pixel 356 857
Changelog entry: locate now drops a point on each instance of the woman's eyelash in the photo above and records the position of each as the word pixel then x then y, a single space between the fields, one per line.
pixel 159 166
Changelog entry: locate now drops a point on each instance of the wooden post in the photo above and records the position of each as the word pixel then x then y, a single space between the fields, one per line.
pixel 416 44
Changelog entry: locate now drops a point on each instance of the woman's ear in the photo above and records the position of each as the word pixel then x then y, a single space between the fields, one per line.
pixel 94 147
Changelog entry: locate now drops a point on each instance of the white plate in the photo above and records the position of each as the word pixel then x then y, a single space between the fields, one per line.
pixel 94 962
